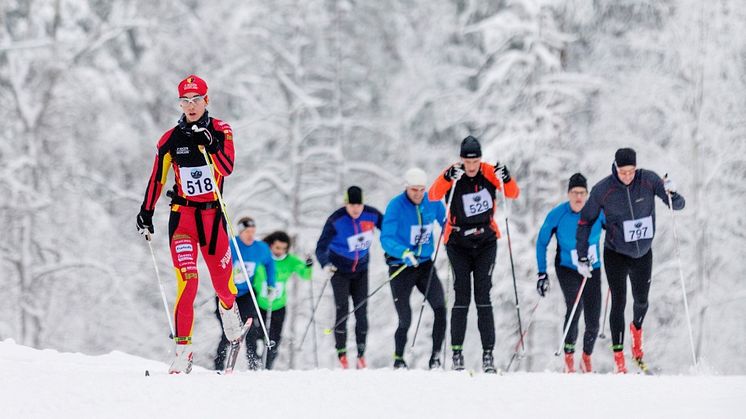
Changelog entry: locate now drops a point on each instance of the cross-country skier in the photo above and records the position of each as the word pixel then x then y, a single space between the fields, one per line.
pixel 562 221
pixel 196 220
pixel 407 239
pixel 471 241
pixel 286 264
pixel 342 250
pixel 627 198
pixel 257 258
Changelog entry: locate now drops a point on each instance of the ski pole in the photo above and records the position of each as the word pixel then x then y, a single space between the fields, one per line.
pixel 572 315
pixel 518 344
pixel 606 310
pixel 343 319
pixel 224 209
pixel 160 285
pixel 432 268
pixel 681 276
pixel 448 292
pixel 312 320
pixel 512 265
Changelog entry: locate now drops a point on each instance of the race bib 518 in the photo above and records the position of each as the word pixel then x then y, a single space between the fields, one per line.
pixel 196 180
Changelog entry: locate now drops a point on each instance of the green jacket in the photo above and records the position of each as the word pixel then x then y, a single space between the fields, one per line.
pixel 284 269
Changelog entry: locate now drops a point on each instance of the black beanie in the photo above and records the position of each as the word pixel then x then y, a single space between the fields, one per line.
pixel 354 195
pixel 577 180
pixel 625 157
pixel 470 148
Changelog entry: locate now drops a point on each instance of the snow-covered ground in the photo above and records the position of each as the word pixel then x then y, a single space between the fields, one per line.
pixel 47 383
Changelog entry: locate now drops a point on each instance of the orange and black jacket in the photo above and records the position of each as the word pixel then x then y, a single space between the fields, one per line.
pixel 177 149
pixel 469 207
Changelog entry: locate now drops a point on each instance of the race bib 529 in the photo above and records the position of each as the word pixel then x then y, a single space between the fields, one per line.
pixel 477 202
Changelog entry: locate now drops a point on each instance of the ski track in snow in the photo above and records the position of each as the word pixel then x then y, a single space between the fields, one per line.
pixel 47 383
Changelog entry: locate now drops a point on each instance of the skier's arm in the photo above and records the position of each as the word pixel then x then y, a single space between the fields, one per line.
pixel 440 212
pixel 588 217
pixel 322 245
pixel 440 187
pixel 509 188
pixel 223 153
pixel 269 266
pixel 300 268
pixel 545 236
pixel 389 230
pixel 158 175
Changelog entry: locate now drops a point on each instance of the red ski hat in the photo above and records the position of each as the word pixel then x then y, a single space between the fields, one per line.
pixel 192 84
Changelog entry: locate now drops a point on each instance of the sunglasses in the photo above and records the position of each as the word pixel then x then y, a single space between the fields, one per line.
pixel 196 100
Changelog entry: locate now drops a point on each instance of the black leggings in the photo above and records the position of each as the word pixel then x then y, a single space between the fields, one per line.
pixel 401 290
pixel 274 327
pixel 590 304
pixel 618 266
pixel 479 262
pixel 346 285
pixel 246 309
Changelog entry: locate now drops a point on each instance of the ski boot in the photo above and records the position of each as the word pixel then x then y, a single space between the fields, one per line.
pixel 636 342
pixel 343 360
pixel 232 324
pixel 488 362
pixel 458 360
pixel 361 365
pixel 619 362
pixel 585 363
pixel 399 363
pixel 569 362
pixel 183 360
pixel 434 361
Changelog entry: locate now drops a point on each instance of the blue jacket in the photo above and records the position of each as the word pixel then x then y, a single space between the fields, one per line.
pixel 407 226
pixel 255 256
pixel 563 222
pixel 629 210
pixel 344 242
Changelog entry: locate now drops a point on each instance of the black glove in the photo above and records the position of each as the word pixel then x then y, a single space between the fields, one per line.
pixel 309 262
pixel 145 221
pixel 454 172
pixel 502 172
pixel 542 284
pixel 203 136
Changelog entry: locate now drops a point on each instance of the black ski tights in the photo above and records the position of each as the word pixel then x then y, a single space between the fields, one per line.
pixel 618 266
pixel 589 304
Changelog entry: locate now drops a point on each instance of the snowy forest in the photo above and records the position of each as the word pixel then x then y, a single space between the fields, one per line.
pixel 324 94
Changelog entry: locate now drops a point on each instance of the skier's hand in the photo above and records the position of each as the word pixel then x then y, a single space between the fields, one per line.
pixel 454 172
pixel 542 284
pixel 272 293
pixel 584 267
pixel 502 172
pixel 409 258
pixel 203 137
pixel 330 269
pixel 669 186
pixel 145 222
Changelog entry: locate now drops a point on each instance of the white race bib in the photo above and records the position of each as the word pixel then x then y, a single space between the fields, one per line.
pixel 420 235
pixel 196 180
pixel 641 228
pixel 592 255
pixel 477 202
pixel 360 241
pixel 238 276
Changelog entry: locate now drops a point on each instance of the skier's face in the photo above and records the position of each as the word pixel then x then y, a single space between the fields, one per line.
pixel 193 106
pixel 354 210
pixel 247 235
pixel 471 166
pixel 626 174
pixel 279 249
pixel 577 196
pixel 416 194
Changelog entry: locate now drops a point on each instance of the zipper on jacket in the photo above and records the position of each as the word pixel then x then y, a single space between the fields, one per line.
pixel 632 211
pixel 357 252
pixel 419 220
